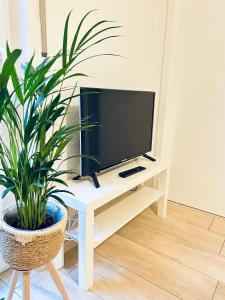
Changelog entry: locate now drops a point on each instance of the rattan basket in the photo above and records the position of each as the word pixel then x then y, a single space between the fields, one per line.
pixel 25 250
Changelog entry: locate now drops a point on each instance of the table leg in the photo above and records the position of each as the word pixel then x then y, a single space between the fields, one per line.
pixel 164 186
pixel 85 250
pixel 58 261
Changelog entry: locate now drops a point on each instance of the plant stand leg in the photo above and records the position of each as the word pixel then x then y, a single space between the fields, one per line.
pixel 86 249
pixel 57 280
pixel 12 286
pixel 26 285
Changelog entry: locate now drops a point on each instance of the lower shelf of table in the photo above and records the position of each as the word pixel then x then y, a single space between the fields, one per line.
pixel 111 219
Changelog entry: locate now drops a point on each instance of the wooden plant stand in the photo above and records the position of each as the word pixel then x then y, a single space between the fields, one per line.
pixel 26 283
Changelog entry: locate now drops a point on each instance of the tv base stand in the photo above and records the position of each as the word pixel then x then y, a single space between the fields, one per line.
pixel 99 216
pixel 94 178
pixel 149 157
pixel 77 177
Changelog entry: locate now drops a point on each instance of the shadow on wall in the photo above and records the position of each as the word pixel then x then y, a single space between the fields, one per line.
pixel 74 146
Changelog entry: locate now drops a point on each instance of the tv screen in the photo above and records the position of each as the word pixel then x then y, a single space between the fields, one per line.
pixel 124 124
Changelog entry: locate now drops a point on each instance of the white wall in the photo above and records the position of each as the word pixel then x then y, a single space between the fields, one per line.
pixel 4 24
pixel 135 69
pixel 4 35
pixel 141 44
pixel 198 164
pixel 24 27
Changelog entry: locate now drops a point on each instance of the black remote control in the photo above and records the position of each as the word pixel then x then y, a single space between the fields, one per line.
pixel 132 171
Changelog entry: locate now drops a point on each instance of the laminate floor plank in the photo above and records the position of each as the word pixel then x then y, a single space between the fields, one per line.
pixel 189 215
pixel 6 277
pixel 218 226
pixel 222 252
pixel 123 284
pixel 184 233
pixel 4 291
pixel 160 270
pixel 43 287
pixel 220 292
pixel 114 282
pixel 212 265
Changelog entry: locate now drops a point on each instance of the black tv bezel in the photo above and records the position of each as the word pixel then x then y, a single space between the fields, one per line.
pixel 133 156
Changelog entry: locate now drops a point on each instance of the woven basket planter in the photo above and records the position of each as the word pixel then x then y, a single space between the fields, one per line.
pixel 25 250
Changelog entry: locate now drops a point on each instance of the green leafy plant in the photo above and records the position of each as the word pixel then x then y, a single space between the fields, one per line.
pixel 33 113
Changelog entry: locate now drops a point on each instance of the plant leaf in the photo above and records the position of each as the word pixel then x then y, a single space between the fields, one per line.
pixel 65 41
pixel 77 33
pixel 6 191
pixel 8 66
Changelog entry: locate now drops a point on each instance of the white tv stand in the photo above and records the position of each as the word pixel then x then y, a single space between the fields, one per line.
pixel 100 215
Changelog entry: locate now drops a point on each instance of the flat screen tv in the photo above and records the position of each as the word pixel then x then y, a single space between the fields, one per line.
pixel 124 125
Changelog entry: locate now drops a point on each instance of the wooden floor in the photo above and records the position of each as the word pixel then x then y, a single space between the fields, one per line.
pixel 179 257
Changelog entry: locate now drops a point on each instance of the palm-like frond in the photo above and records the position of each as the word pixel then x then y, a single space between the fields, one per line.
pixel 32 113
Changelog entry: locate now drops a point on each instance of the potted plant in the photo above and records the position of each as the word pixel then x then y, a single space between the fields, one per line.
pixel 33 114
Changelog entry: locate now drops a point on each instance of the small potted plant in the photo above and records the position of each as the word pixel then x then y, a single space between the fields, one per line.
pixel 33 114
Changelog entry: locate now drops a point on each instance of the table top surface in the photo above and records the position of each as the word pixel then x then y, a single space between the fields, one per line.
pixel 86 196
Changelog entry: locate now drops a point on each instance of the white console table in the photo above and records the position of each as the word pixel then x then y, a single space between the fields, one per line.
pixel 97 221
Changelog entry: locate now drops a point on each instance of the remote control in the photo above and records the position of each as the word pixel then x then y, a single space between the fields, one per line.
pixel 132 171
